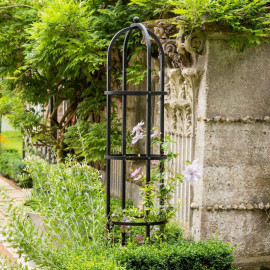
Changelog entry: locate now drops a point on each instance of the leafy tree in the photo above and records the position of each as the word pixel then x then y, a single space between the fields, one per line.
pixel 58 49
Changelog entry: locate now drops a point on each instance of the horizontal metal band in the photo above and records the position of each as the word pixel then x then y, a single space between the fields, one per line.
pixel 135 93
pixel 135 157
pixel 138 223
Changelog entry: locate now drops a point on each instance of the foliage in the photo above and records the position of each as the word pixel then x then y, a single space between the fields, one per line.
pixel 92 259
pixel 8 264
pixel 12 166
pixel 159 8
pixel 184 255
pixel 11 107
pixel 248 20
pixel 70 199
pixel 58 49
pixel 88 141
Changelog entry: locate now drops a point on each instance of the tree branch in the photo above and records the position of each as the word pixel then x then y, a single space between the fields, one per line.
pixel 71 107
pixel 72 114
pixel 14 6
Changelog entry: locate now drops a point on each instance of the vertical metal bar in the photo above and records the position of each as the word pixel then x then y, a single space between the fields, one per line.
pixel 162 85
pixel 148 108
pixel 148 121
pixel 124 126
pixel 162 131
pixel 108 149
pixel 124 118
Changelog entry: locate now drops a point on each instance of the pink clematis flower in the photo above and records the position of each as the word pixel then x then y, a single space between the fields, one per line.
pixel 137 128
pixel 138 131
pixel 192 173
pixel 138 177
pixel 135 172
pixel 137 137
pixel 155 133
pixel 139 239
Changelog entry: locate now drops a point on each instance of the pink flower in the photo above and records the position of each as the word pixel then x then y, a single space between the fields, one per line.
pixel 135 172
pixel 139 239
pixel 137 128
pixel 138 177
pixel 192 173
pixel 128 234
pixel 137 137
pixel 138 131
pixel 140 206
pixel 155 133
pixel 124 227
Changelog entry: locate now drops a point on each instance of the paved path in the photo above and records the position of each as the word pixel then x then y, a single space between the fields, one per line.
pixel 19 195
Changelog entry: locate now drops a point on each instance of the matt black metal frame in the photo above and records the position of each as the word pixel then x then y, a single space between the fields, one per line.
pixel 124 93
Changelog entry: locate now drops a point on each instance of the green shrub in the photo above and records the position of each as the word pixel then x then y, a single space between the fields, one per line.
pixel 183 255
pixel 12 166
pixel 93 259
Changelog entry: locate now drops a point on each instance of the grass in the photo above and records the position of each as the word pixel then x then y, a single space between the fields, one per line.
pixel 11 140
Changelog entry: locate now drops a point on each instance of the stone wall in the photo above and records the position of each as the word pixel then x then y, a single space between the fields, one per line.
pixel 222 96
pixel 233 144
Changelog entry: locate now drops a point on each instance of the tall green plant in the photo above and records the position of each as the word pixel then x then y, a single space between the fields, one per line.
pixel 71 203
pixel 87 141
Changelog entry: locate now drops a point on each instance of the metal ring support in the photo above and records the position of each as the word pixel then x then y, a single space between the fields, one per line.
pixel 139 223
pixel 135 93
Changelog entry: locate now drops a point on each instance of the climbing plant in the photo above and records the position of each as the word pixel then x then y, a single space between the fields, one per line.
pixel 247 21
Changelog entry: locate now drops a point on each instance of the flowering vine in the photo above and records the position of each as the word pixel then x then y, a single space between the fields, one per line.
pixel 156 190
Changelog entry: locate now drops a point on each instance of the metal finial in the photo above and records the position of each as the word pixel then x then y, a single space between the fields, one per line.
pixel 136 19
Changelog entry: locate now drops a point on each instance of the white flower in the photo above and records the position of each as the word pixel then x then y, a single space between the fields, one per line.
pixel 192 173
pixel 137 137
pixel 138 128
pixel 138 132
pixel 138 177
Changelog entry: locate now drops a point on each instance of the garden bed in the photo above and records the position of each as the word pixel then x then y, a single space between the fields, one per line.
pixel 66 230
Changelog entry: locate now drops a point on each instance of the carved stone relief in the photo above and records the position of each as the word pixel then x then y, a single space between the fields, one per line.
pixel 180 50
pixel 182 86
pixel 182 76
